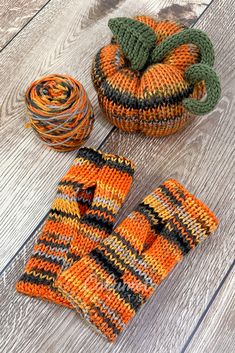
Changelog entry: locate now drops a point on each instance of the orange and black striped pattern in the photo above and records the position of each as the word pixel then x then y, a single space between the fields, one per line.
pixel 150 100
pixel 59 111
pixel 110 284
pixel 82 214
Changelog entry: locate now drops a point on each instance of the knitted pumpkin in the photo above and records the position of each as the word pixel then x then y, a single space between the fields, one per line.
pixel 153 75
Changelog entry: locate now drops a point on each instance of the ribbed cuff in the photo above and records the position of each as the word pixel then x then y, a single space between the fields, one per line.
pixel 190 224
pixel 122 163
pixel 88 287
pixel 100 158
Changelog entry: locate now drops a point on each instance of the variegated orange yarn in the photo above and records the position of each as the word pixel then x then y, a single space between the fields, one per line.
pixel 110 284
pixel 83 213
pixel 59 111
pixel 149 100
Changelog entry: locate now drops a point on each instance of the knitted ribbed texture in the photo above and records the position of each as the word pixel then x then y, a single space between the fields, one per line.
pixel 160 96
pixel 109 285
pixel 197 72
pixel 188 36
pixel 82 214
pixel 135 38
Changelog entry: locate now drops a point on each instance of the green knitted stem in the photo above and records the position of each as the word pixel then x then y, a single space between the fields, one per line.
pixel 135 38
pixel 187 36
pixel 197 73
pixel 138 43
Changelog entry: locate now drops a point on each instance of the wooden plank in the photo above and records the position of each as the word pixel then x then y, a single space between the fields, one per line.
pixel 30 171
pixel 63 38
pixel 32 325
pixel 217 331
pixel 14 15
pixel 202 158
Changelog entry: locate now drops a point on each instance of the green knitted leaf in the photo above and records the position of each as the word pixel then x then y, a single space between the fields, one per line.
pixel 202 72
pixel 135 38
pixel 187 36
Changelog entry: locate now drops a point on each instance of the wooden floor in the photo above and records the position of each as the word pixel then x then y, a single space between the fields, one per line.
pixel 193 310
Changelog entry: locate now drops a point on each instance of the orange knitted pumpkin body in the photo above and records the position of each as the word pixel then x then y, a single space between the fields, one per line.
pixel 149 100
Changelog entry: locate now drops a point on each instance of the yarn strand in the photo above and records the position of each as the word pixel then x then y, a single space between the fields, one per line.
pixel 59 112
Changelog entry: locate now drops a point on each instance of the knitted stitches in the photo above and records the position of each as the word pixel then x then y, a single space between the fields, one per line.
pixel 82 214
pixel 137 40
pixel 152 99
pixel 109 285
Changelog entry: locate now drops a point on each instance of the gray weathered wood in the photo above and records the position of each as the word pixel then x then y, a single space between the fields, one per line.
pixel 14 15
pixel 217 331
pixel 62 38
pixel 201 158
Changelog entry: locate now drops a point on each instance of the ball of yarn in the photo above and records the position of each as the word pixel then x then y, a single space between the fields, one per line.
pixel 59 111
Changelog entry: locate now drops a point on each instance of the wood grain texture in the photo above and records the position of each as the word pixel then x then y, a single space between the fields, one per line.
pixel 217 331
pixel 201 157
pixel 14 15
pixel 62 38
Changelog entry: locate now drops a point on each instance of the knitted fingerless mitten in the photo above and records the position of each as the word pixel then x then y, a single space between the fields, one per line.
pixel 110 284
pixel 82 214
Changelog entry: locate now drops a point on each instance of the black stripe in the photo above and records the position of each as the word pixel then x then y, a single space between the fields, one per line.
pixel 125 242
pixel 151 216
pixel 97 221
pixel 75 184
pixel 73 257
pixel 132 102
pixel 172 197
pixel 152 122
pixel 110 252
pixel 189 233
pixel 121 288
pixel 91 155
pixel 105 319
pixel 44 272
pixel 127 266
pixel 101 210
pixel 106 264
pixel 52 244
pixel 54 212
pixel 36 280
pixel 133 299
pixel 97 73
pixel 120 166
pixel 174 236
pixel 204 225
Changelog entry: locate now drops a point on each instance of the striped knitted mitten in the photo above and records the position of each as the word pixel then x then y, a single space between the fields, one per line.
pixel 109 285
pixel 82 214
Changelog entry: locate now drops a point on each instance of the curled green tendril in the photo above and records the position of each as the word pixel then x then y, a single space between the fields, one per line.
pixel 197 73
pixel 187 36
pixel 138 43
